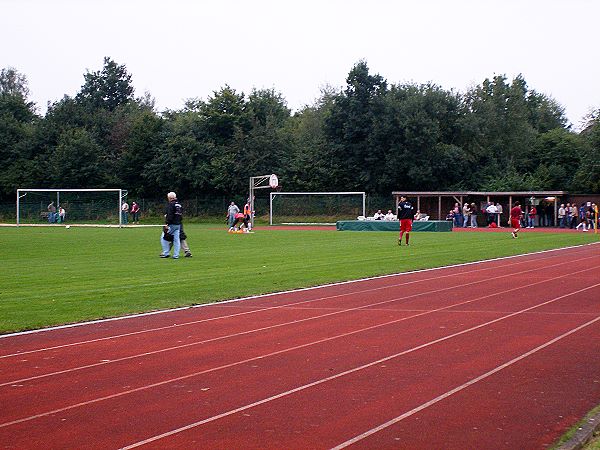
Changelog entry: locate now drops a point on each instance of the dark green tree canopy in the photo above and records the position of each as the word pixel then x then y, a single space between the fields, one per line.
pixel 368 135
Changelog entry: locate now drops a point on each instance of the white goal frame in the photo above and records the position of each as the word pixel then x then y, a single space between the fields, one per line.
pixel 23 192
pixel 275 194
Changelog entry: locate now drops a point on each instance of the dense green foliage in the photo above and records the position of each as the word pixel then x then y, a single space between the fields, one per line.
pixel 369 135
pixel 56 275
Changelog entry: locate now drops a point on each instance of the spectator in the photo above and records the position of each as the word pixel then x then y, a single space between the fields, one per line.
pixel 561 215
pixel 499 212
pixel 62 215
pixel 531 217
pixel 390 215
pixel 124 213
pixel 582 217
pixel 458 217
pixel 542 213
pixel 135 212
pixel 491 213
pixel 232 210
pixel 450 216
pixel 473 215
pixel 466 211
pixel 573 216
pixel 550 214
pixel 378 215
pixel 51 213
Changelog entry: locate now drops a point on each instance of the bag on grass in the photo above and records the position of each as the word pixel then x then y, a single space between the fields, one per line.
pixel 166 235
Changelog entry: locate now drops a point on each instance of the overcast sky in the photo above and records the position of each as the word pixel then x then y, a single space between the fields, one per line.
pixel 180 49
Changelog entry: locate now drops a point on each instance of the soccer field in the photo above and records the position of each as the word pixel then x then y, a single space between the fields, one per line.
pixel 54 276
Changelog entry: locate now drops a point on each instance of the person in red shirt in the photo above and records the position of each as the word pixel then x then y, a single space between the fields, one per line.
pixel 516 213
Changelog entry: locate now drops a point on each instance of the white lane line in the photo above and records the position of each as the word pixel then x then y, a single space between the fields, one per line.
pixel 293 322
pixel 195 322
pixel 164 311
pixel 461 387
pixel 347 372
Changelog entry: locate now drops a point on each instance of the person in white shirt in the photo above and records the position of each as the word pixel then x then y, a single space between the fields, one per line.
pixel 378 215
pixel 491 211
pixel 390 215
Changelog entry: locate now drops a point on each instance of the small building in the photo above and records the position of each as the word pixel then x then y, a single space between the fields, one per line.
pixel 436 204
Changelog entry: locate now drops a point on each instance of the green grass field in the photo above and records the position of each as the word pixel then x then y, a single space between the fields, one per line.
pixel 55 276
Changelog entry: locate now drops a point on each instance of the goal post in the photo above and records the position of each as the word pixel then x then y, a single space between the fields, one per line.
pixel 82 206
pixel 303 208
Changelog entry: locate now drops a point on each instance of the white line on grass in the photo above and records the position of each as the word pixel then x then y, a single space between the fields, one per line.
pixel 295 322
pixel 194 322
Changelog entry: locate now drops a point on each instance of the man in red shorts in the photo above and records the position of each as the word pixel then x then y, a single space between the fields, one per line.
pixel 406 214
pixel 516 213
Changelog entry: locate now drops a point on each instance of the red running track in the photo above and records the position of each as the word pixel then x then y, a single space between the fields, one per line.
pixel 498 354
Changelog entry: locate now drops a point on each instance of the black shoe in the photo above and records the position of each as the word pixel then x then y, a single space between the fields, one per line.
pixel 400 242
pixel 188 255
pixel 163 256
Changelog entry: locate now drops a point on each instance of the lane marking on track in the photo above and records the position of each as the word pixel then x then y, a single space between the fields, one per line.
pixel 350 371
pixel 461 387
pixel 164 382
pixel 252 297
pixel 294 322
pixel 194 322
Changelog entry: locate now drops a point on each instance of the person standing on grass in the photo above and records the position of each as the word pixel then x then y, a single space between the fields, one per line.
pixel 124 213
pixel 232 210
pixel 173 218
pixel 406 214
pixel 135 212
pixel 516 213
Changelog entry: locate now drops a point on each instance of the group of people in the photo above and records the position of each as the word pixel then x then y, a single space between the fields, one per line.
pixel 466 216
pixel 54 216
pixel 134 210
pixel 239 221
pixel 381 216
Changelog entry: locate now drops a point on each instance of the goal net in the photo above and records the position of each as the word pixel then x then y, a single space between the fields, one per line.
pixel 78 206
pixel 305 208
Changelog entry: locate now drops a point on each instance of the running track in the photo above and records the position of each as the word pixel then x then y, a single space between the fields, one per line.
pixel 499 354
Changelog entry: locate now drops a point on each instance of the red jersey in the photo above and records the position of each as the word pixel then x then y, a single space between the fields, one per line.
pixel 516 212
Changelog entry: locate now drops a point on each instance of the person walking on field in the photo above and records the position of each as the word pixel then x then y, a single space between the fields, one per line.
pixel 516 213
pixel 173 219
pixel 406 214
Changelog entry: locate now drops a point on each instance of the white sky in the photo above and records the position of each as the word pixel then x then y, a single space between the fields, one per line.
pixel 180 49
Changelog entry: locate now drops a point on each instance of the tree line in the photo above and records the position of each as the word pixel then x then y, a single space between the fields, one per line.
pixel 369 135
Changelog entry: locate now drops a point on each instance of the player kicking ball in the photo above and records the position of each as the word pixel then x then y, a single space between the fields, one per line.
pixel 516 213
pixel 406 214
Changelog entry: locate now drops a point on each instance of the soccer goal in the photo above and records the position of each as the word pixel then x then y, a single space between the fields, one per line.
pixel 100 207
pixel 306 208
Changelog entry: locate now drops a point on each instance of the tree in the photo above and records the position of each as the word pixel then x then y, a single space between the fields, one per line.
pixel 349 125
pixel 13 83
pixel 107 88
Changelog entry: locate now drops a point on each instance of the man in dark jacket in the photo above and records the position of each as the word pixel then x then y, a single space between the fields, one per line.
pixel 173 218
pixel 406 214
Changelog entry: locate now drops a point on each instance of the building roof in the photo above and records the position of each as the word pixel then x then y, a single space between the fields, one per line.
pixel 478 193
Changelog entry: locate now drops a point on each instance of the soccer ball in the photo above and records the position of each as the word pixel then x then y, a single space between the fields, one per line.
pixel 67 226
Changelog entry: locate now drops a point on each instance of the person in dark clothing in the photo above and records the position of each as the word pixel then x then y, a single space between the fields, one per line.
pixel 173 218
pixel 406 214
